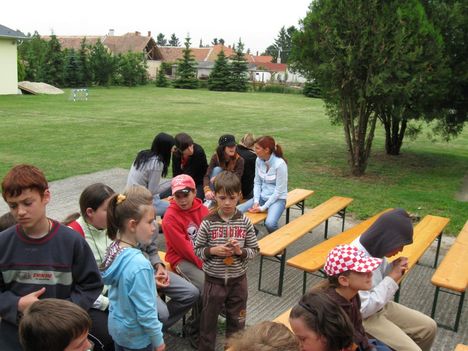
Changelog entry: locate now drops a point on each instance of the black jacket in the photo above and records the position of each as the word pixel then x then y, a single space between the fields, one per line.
pixel 196 165
pixel 248 176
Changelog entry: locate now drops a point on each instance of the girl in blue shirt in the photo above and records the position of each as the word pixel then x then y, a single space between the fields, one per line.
pixel 270 182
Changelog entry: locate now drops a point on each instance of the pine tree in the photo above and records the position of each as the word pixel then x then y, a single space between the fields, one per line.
pixel 161 79
pixel 103 65
pixel 186 74
pixel 32 53
pixel 73 72
pixel 161 40
pixel 52 71
pixel 174 41
pixel 83 53
pixel 220 76
pixel 239 77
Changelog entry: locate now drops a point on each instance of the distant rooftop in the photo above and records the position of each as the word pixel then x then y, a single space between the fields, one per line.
pixel 6 32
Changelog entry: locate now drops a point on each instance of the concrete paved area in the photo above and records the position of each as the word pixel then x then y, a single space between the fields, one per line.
pixel 417 291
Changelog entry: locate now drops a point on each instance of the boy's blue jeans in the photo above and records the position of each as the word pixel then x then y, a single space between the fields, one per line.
pixel 121 348
pixel 274 212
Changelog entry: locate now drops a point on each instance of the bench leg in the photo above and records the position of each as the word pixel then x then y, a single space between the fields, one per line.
pixel 434 303
pixel 304 283
pixel 282 261
pixel 396 298
pixel 300 205
pixel 325 235
pixel 342 213
pixel 439 241
pixel 459 309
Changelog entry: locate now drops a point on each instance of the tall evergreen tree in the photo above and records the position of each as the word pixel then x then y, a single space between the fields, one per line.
pixel 219 78
pixel 186 75
pixel 131 69
pixel 32 54
pixel 103 65
pixel 239 77
pixel 161 40
pixel 161 79
pixel 52 71
pixel 214 41
pixel 73 72
pixel 84 52
pixel 174 41
pixel 282 44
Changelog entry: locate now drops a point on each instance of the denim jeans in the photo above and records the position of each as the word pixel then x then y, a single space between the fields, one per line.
pixel 274 212
pixel 160 205
pixel 216 170
pixel 121 348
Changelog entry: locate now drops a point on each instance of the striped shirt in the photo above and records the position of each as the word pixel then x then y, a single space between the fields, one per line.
pixel 216 231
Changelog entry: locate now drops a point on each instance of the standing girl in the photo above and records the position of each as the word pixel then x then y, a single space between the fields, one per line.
pixel 133 316
pixel 150 165
pixel 189 158
pixel 226 158
pixel 270 182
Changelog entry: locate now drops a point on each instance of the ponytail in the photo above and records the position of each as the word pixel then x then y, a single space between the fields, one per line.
pixel 123 207
pixel 269 142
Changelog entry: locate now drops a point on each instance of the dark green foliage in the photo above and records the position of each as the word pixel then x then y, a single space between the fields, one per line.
pixel 21 69
pixel 32 53
pixel 282 45
pixel 214 41
pixel 103 64
pixel 186 74
pixel 73 70
pixel 311 89
pixel 161 40
pixel 131 69
pixel 52 68
pixel 220 76
pixel 161 79
pixel 239 76
pixel 84 53
pixel 174 41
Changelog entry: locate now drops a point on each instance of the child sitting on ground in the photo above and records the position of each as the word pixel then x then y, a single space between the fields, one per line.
pixel 133 316
pixel 264 336
pixel 349 271
pixel 55 325
pixel 225 242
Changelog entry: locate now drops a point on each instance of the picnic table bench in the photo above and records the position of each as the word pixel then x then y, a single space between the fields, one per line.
pixel 461 347
pixel 273 246
pixel 284 318
pixel 296 197
pixel 451 276
pixel 313 259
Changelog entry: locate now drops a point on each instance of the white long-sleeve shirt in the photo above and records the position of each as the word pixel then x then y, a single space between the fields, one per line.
pixel 383 286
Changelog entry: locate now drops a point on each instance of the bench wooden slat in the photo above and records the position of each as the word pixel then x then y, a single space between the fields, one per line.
pixel 425 232
pixel 461 347
pixel 295 196
pixel 462 237
pixel 283 318
pixel 162 256
pixel 314 258
pixel 276 242
pixel 452 272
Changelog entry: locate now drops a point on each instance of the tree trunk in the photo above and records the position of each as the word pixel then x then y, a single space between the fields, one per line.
pixel 395 128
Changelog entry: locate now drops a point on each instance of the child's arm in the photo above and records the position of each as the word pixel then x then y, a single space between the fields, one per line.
pixel 250 248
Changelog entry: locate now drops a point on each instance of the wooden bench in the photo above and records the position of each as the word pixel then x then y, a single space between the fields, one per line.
pixel 461 347
pixel 313 259
pixel 430 228
pixel 274 245
pixel 452 275
pixel 162 256
pixel 283 318
pixel 296 197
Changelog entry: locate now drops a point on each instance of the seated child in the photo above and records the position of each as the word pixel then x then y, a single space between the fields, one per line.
pixel 225 242
pixel 349 271
pixel 264 336
pixel 55 325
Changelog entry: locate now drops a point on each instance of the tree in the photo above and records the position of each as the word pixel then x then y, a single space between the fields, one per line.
pixel 186 74
pixel 174 41
pixel 131 69
pixel 450 110
pixel 73 72
pixel 21 69
pixel 161 79
pixel 219 78
pixel 221 41
pixel 239 77
pixel 161 40
pixel 103 65
pixel 32 53
pixel 52 70
pixel 282 45
pixel 214 41
pixel 84 52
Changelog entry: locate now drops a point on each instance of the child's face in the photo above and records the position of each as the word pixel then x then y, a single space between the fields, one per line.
pixel 81 343
pixel 146 226
pixel 227 203
pixel 230 151
pixel 188 151
pixel 309 340
pixel 29 208
pixel 357 280
pixel 184 200
pixel 98 218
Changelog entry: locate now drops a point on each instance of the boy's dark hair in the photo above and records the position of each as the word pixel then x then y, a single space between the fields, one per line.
pixel 161 148
pixel 128 205
pixel 326 319
pixel 6 221
pixel 182 141
pixel 227 182
pixel 22 177
pixel 52 324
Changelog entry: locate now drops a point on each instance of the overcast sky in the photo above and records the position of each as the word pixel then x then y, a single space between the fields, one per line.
pixel 257 22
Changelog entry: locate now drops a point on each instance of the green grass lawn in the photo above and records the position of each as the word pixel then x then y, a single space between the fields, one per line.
pixel 67 138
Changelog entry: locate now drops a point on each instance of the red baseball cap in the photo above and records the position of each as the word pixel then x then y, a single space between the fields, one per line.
pixel 348 258
pixel 182 182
